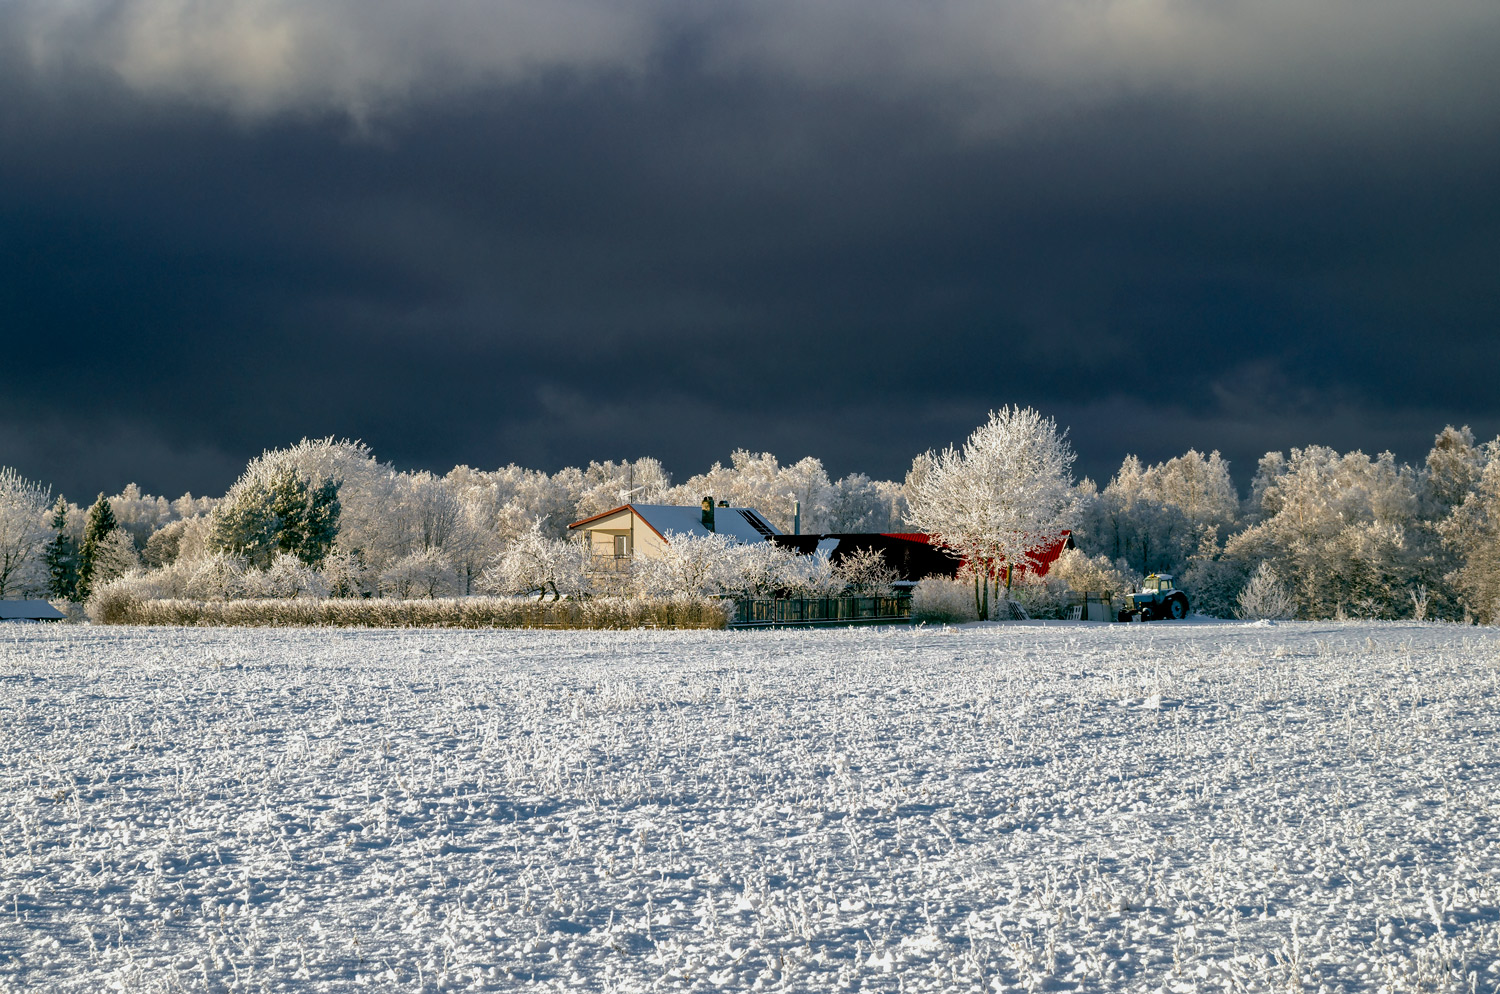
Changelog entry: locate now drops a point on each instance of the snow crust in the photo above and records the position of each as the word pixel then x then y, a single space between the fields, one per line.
pixel 1020 807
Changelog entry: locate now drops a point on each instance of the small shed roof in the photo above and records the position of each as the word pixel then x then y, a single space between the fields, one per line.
pixel 743 524
pixel 29 611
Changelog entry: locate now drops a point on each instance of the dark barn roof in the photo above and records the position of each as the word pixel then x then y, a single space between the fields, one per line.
pixel 911 555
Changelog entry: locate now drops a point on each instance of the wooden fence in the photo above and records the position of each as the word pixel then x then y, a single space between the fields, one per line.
pixel 766 612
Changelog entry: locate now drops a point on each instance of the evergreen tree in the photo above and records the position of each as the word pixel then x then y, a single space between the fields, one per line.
pixel 281 515
pixel 96 528
pixel 321 523
pixel 244 525
pixel 61 557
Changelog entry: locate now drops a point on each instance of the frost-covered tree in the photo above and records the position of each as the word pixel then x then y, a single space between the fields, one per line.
pixel 1000 499
pixel 1471 532
pixel 244 525
pixel 23 533
pixel 1083 573
pixel 425 573
pixel 517 498
pixel 1157 517
pixel 606 485
pixel 1454 466
pixel 814 575
pixel 114 556
pixel 538 563
pixel 141 514
pixel 182 540
pixel 859 504
pixel 761 568
pixel 1265 597
pixel 865 572
pixel 367 492
pixel 758 480
pixel 1343 532
pixel 475 540
pixel 690 564
pixel 1200 487
pixel 428 511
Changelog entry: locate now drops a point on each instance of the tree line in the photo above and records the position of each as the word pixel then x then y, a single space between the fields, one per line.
pixel 1320 533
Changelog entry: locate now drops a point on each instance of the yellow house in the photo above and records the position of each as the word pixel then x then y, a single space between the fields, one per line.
pixel 645 529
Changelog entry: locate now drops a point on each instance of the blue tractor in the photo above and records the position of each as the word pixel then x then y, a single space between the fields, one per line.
pixel 1157 598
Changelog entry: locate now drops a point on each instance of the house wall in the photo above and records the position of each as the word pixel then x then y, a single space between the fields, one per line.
pixel 643 541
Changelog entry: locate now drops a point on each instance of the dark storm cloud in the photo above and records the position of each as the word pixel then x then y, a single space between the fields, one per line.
pixel 488 232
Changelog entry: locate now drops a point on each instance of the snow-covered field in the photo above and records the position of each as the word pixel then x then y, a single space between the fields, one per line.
pixel 1050 807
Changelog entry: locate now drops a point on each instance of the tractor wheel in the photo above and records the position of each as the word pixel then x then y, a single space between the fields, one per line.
pixel 1177 607
pixel 1147 613
pixel 1123 616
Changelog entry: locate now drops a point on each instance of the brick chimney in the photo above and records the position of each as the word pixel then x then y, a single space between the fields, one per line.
pixel 708 513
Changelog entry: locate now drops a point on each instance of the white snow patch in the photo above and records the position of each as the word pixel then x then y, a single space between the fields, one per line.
pixel 1116 808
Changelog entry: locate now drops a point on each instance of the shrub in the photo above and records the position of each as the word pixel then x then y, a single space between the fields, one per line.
pixel 1265 597
pixel 289 576
pixel 116 604
pixel 939 599
pixel 218 577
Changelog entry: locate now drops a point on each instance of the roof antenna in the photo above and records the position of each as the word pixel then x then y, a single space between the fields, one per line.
pixel 626 494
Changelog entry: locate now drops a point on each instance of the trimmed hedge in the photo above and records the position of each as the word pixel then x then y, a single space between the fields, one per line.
pixel 458 612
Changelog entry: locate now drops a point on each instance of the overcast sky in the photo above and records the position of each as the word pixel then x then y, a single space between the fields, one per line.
pixel 549 231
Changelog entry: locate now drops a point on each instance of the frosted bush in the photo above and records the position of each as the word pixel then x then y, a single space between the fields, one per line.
pixel 1265 597
pixel 346 575
pixel 172 580
pixel 220 576
pixel 112 602
pixel 1420 598
pixel 939 599
pixel 289 576
pixel 136 585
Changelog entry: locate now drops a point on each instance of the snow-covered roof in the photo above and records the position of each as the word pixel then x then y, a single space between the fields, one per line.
pixel 29 611
pixel 743 524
